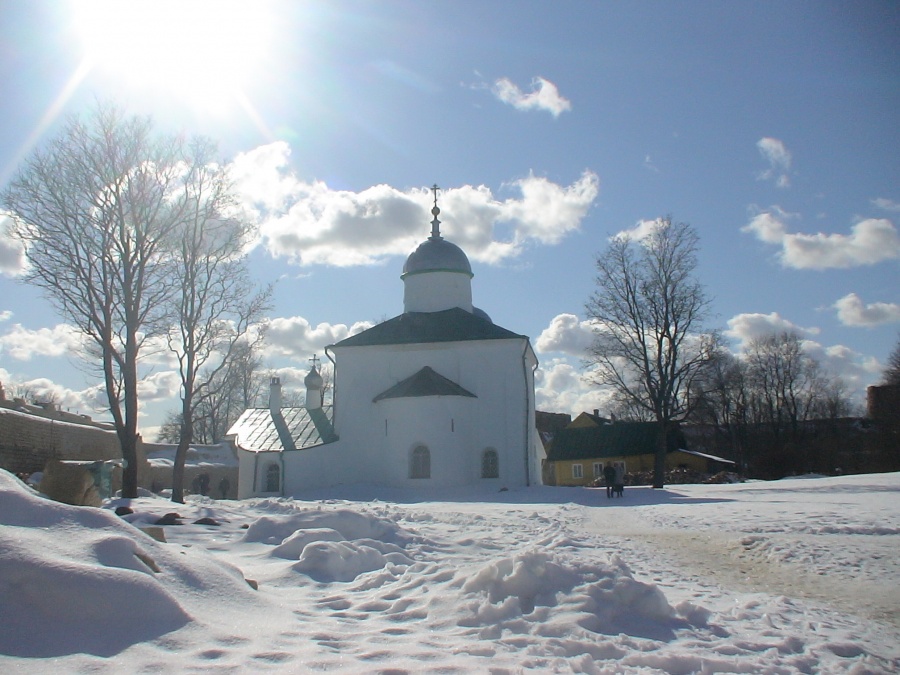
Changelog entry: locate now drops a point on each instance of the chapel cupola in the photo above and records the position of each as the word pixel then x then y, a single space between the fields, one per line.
pixel 314 385
pixel 437 275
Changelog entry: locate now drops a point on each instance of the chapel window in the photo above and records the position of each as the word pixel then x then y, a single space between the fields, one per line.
pixel 273 478
pixel 420 463
pixel 490 464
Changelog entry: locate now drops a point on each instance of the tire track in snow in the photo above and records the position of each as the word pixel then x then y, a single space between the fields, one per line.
pixel 751 563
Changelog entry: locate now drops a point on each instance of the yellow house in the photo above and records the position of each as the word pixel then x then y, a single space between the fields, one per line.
pixel 578 454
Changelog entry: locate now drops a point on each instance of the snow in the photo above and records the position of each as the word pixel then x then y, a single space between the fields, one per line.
pixel 793 576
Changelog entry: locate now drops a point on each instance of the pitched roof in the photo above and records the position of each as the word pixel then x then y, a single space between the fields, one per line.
pixel 258 430
pixel 426 382
pixel 449 325
pixel 621 439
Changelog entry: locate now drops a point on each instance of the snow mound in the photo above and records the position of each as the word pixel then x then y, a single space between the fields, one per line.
pixel 292 547
pixel 350 525
pixel 345 560
pixel 79 589
pixel 607 598
pixel 81 580
pixel 334 545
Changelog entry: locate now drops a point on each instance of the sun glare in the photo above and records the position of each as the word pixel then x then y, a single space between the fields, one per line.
pixel 202 50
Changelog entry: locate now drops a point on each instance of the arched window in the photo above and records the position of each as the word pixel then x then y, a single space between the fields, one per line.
pixel 273 478
pixel 490 464
pixel 420 463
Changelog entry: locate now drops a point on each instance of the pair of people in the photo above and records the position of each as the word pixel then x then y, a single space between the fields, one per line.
pixel 614 477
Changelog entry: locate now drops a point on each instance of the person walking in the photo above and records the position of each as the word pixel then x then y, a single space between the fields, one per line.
pixel 609 477
pixel 619 472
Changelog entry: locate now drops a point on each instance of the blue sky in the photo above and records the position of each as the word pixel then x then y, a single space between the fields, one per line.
pixel 771 127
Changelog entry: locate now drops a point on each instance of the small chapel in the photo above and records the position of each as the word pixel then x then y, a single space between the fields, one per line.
pixel 438 396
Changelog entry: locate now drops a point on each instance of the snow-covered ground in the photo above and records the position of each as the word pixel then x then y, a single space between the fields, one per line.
pixel 794 576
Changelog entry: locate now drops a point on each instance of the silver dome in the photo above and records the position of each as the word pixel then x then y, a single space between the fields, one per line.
pixel 437 255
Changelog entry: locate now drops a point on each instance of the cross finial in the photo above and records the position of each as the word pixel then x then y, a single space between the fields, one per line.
pixel 314 360
pixel 435 224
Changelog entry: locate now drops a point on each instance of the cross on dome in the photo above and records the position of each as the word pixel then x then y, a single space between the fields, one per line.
pixel 314 361
pixel 435 224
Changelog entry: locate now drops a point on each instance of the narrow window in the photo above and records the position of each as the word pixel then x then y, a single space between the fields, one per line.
pixel 490 464
pixel 598 469
pixel 273 478
pixel 577 471
pixel 420 463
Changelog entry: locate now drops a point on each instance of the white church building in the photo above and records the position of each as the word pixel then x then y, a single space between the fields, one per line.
pixel 437 396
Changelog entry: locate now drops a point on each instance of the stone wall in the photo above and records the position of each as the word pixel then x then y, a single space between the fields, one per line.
pixel 28 440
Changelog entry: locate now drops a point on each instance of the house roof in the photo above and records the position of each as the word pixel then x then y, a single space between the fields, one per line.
pixel 425 382
pixel 706 455
pixel 258 430
pixel 449 325
pixel 621 439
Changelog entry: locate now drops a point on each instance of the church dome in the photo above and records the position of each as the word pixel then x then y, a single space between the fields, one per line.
pixel 436 254
pixel 313 380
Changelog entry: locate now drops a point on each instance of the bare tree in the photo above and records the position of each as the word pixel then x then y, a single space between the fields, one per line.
pixel 891 373
pixel 93 209
pixel 722 395
pixel 215 304
pixel 648 311
pixel 786 382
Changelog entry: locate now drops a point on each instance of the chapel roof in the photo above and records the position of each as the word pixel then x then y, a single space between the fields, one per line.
pixel 449 325
pixel 258 430
pixel 426 382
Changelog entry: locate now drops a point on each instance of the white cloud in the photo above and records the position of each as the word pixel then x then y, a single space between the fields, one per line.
pixel 162 386
pixel 886 204
pixel 855 369
pixel 6 315
pixel 560 387
pixel 851 311
pixel 90 400
pixel 870 242
pixel 543 96
pixel 12 254
pixel 768 227
pixel 746 327
pixel 309 223
pixel 779 158
pixel 296 338
pixel 22 343
pixel 641 230
pixel 566 334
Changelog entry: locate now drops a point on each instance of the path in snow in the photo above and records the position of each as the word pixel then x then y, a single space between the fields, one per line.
pixel 785 562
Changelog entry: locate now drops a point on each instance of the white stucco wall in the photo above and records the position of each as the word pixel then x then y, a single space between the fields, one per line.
pixel 437 291
pixel 455 429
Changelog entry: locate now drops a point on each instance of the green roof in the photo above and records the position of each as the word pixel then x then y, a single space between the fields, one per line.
pixel 449 325
pixel 621 439
pixel 258 430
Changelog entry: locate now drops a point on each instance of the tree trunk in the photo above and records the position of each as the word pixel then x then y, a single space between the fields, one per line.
pixel 659 461
pixel 184 442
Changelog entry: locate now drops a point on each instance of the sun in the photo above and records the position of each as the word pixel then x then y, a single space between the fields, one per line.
pixel 205 51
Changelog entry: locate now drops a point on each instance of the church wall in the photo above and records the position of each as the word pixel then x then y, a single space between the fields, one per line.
pixel 321 466
pixel 491 369
pixel 437 291
pixel 444 425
